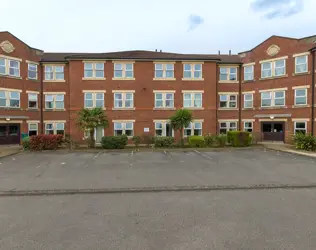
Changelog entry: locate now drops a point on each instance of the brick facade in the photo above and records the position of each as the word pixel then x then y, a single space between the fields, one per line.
pixel 143 85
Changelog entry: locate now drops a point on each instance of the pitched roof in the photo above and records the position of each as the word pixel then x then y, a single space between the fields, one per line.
pixel 138 55
pixel 20 40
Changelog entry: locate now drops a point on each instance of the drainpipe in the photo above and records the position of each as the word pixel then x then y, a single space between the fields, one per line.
pixel 216 98
pixel 239 97
pixel 313 88
pixel 41 99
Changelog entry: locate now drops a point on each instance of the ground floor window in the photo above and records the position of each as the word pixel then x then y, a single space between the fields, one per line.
pixel 248 126
pixel 123 128
pixel 55 128
pixel 194 128
pixel 300 127
pixel 224 127
pixel 163 128
pixel 33 128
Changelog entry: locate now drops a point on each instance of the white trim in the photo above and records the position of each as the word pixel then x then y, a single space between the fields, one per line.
pixel 301 87
pixel 123 61
pixel 248 120
pixel 11 90
pixel 228 66
pixel 300 119
pixel 192 62
pixel 272 90
pixel 123 120
pixel 54 93
pixel 249 64
pixel 228 93
pixel 192 91
pixel 274 59
pixel 94 61
pixel 32 92
pixel 302 54
pixel 274 119
pixel 248 92
pixel 11 58
pixel 300 129
pixel 164 91
pixel 161 120
pixel 123 91
pixel 54 121
pixel 32 121
pixel 31 62
pixel 227 120
pixel 93 91
pixel 10 121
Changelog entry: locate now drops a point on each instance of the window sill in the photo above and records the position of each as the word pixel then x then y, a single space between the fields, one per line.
pixel 123 79
pixel 13 77
pixel 192 79
pixel 193 108
pixel 274 107
pixel 301 106
pixel 248 81
pixel 164 79
pixel 94 107
pixel 58 110
pixel 54 81
pixel 164 108
pixel 30 109
pixel 228 81
pixel 273 77
pixel 227 108
pixel 34 80
pixel 10 108
pixel 301 74
pixel 123 108
pixel 93 79
pixel 248 109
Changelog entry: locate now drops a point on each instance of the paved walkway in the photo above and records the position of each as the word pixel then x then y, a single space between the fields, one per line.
pixel 6 150
pixel 288 148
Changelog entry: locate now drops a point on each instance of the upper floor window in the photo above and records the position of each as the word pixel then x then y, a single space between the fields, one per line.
pixel 32 71
pixel 93 70
pixel 123 128
pixel 55 128
pixel 164 71
pixel 192 100
pixel 227 74
pixel 10 99
pixel 300 97
pixel 55 101
pixel 32 101
pixel 164 100
pixel 273 68
pixel 123 70
pixel 123 100
pixel 94 100
pixel 3 66
pixel 271 99
pixel 228 101
pixel 192 71
pixel 248 100
pixel 163 128
pixel 9 67
pixel 248 73
pixel 301 64
pixel 194 128
pixel 54 72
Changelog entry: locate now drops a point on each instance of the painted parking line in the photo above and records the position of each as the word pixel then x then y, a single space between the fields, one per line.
pixel 204 155
pixel 97 155
pixel 166 153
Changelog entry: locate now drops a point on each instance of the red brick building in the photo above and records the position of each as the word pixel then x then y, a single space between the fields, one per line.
pixel 268 90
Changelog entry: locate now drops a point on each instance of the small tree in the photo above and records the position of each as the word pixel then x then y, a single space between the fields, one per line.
pixel 89 119
pixel 180 120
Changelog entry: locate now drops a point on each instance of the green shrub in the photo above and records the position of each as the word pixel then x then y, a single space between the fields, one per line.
pixel 305 142
pixel 197 141
pixel 210 140
pixel 26 143
pixel 114 142
pixel 239 138
pixel 136 140
pixel 221 140
pixel 163 141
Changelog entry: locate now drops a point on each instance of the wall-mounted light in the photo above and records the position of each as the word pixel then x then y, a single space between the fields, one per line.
pixel 271 117
pixel 7 119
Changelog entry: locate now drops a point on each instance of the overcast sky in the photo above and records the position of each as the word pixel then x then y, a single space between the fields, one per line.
pixel 185 26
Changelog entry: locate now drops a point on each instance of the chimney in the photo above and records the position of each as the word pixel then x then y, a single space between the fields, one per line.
pixel 160 50
pixel 219 52
pixel 230 52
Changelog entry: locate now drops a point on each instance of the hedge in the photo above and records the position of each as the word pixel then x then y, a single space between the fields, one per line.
pixel 197 141
pixel 26 143
pixel 45 142
pixel 114 142
pixel 239 138
pixel 305 142
pixel 163 141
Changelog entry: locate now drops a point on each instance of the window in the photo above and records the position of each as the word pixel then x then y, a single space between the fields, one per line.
pixel 3 99
pixel 164 100
pixel 32 71
pixel 228 74
pixel 14 68
pixel 300 127
pixel 301 64
pixel 163 128
pixel 54 73
pixel 123 100
pixel 270 99
pixel 2 66
pixel 33 127
pixel 248 126
pixel 300 97
pixel 55 128
pixel 32 101
pixel 248 73
pixel 94 100
pixel 10 99
pixel 54 101
pixel 192 71
pixel 192 100
pixel 194 128
pixel 228 101
pixel 164 71
pixel 224 127
pixel 248 100
pixel 9 67
pixel 123 70
pixel 14 99
pixel 274 68
pixel 94 70
pixel 124 128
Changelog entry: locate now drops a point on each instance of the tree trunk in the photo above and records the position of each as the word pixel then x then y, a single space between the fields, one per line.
pixel 181 136
pixel 92 140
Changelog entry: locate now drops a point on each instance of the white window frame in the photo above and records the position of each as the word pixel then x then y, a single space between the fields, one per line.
pixel 273 68
pixel 228 101
pixel 54 129
pixel 29 69
pixel 124 70
pixel 296 64
pixel 18 68
pixel 35 99
pixel 10 98
pixel 228 126
pixel 29 127
pixel 94 99
pixel 273 98
pixel 192 127
pixel 163 128
pixel 192 98
pixel 7 66
pixel 247 128
pixel 300 129
pixel 54 100
pixel 164 69
pixel 54 72
pixel 123 100
pixel 227 71
pixel 193 70
pixel 123 124
pixel 295 96
pixel 251 101
pixel 4 66
pixel 251 73
pixel 164 100
pixel 94 70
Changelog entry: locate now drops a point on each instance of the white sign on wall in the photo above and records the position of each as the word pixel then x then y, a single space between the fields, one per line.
pixel 146 129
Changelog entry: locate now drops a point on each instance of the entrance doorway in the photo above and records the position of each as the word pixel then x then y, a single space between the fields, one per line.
pixel 273 131
pixel 9 134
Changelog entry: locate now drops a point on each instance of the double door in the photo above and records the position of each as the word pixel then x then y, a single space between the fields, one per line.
pixel 273 131
pixel 9 134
